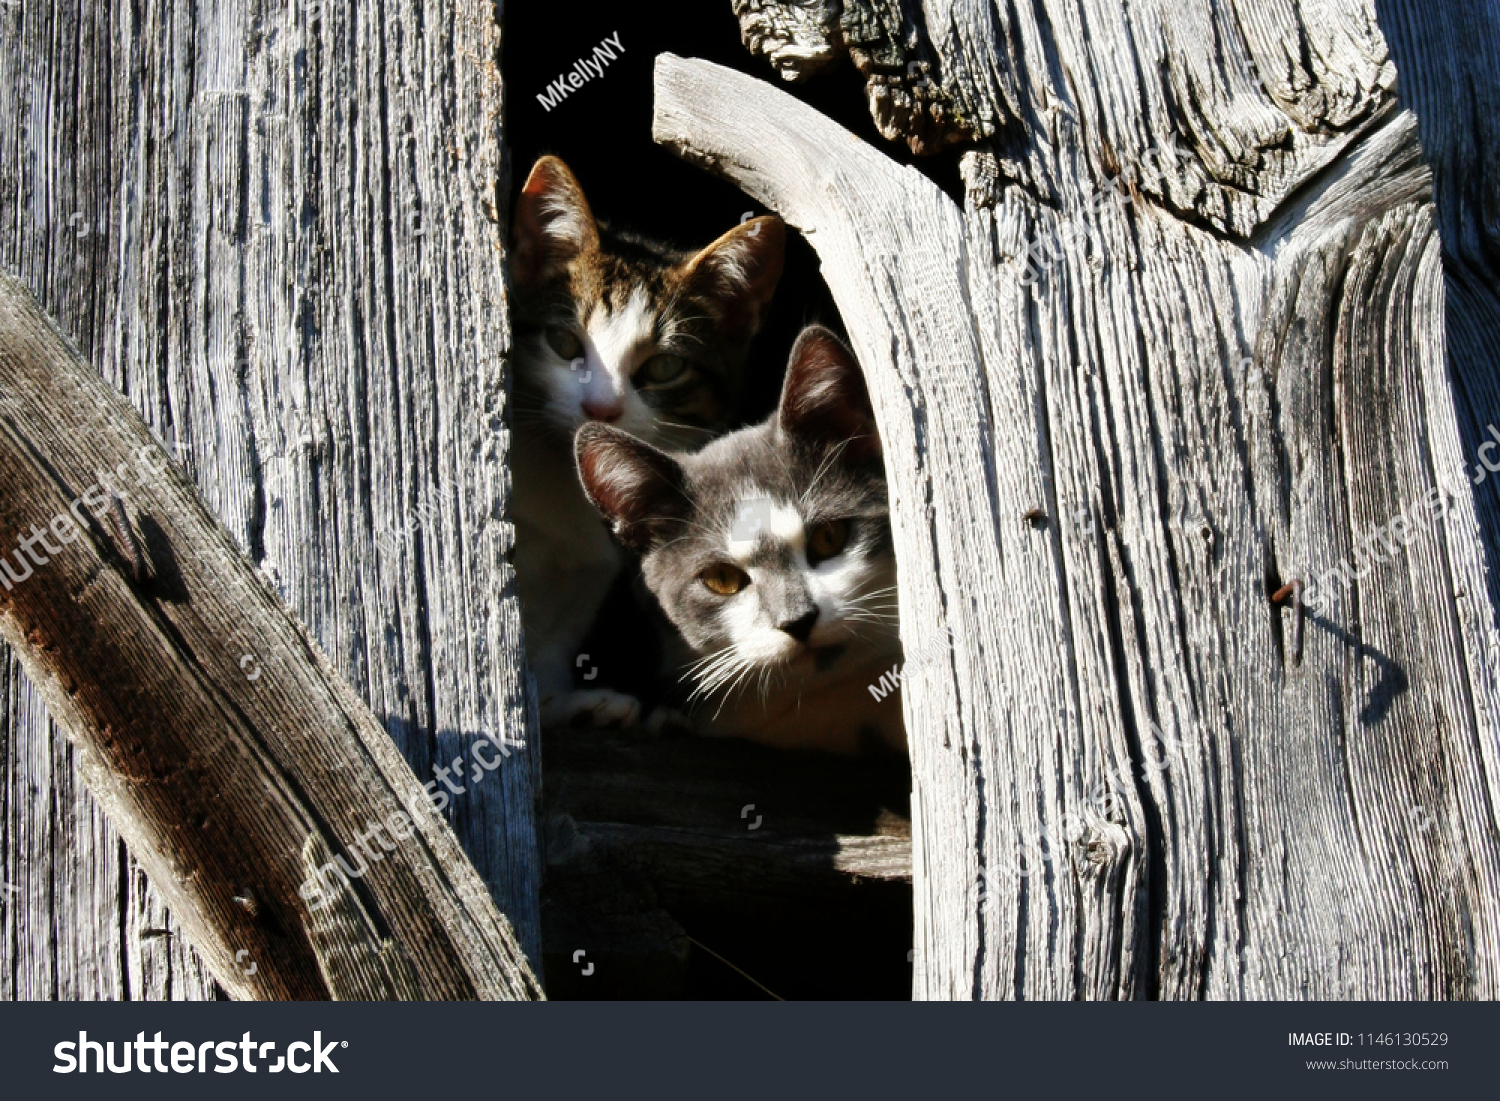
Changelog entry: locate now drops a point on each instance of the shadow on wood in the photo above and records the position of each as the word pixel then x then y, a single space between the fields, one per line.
pixel 674 864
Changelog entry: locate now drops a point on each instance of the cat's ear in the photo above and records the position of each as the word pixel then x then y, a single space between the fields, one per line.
pixel 638 489
pixel 553 222
pixel 738 273
pixel 824 400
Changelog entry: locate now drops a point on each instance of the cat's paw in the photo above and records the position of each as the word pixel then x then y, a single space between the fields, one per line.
pixel 592 709
pixel 667 722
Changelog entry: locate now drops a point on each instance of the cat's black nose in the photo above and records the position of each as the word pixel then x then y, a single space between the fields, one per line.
pixel 801 627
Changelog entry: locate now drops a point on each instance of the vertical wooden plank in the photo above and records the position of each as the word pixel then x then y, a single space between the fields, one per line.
pixel 69 931
pixel 297 276
pixel 1216 375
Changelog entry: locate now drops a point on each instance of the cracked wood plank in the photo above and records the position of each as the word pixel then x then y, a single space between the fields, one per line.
pixel 1224 366
pixel 212 731
pixel 277 229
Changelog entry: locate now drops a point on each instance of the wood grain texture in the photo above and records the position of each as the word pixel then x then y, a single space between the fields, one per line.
pixel 882 40
pixel 277 228
pixel 1222 371
pixel 208 725
pixel 1449 59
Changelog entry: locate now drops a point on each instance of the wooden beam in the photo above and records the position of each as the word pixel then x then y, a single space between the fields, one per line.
pixel 1201 372
pixel 892 249
pixel 215 734
pixel 279 232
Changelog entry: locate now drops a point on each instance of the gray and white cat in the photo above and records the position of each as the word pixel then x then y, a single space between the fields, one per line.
pixel 770 552
pixel 610 328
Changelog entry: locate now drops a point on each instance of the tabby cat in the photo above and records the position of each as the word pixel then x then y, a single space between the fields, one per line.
pixel 611 328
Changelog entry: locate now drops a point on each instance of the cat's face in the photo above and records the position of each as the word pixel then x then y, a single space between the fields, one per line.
pixel 770 550
pixel 620 330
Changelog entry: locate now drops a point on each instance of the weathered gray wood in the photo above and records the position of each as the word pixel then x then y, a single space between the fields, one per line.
pixel 1449 58
pixel 207 724
pixel 1234 367
pixel 278 229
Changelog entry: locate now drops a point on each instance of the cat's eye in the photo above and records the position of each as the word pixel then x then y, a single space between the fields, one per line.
pixel 662 370
pixel 826 540
pixel 564 342
pixel 724 579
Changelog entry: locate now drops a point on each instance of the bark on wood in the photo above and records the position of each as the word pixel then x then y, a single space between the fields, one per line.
pixel 277 228
pixel 1126 784
pixel 208 725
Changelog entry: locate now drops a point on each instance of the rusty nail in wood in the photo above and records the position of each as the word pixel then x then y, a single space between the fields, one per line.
pixel 1034 516
pixel 130 546
pixel 1293 589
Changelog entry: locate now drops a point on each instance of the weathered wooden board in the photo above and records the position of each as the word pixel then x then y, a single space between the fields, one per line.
pixel 210 728
pixel 277 231
pixel 1216 378
pixel 277 228
pixel 1448 55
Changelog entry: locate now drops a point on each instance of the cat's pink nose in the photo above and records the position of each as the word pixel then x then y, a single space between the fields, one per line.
pixel 606 411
